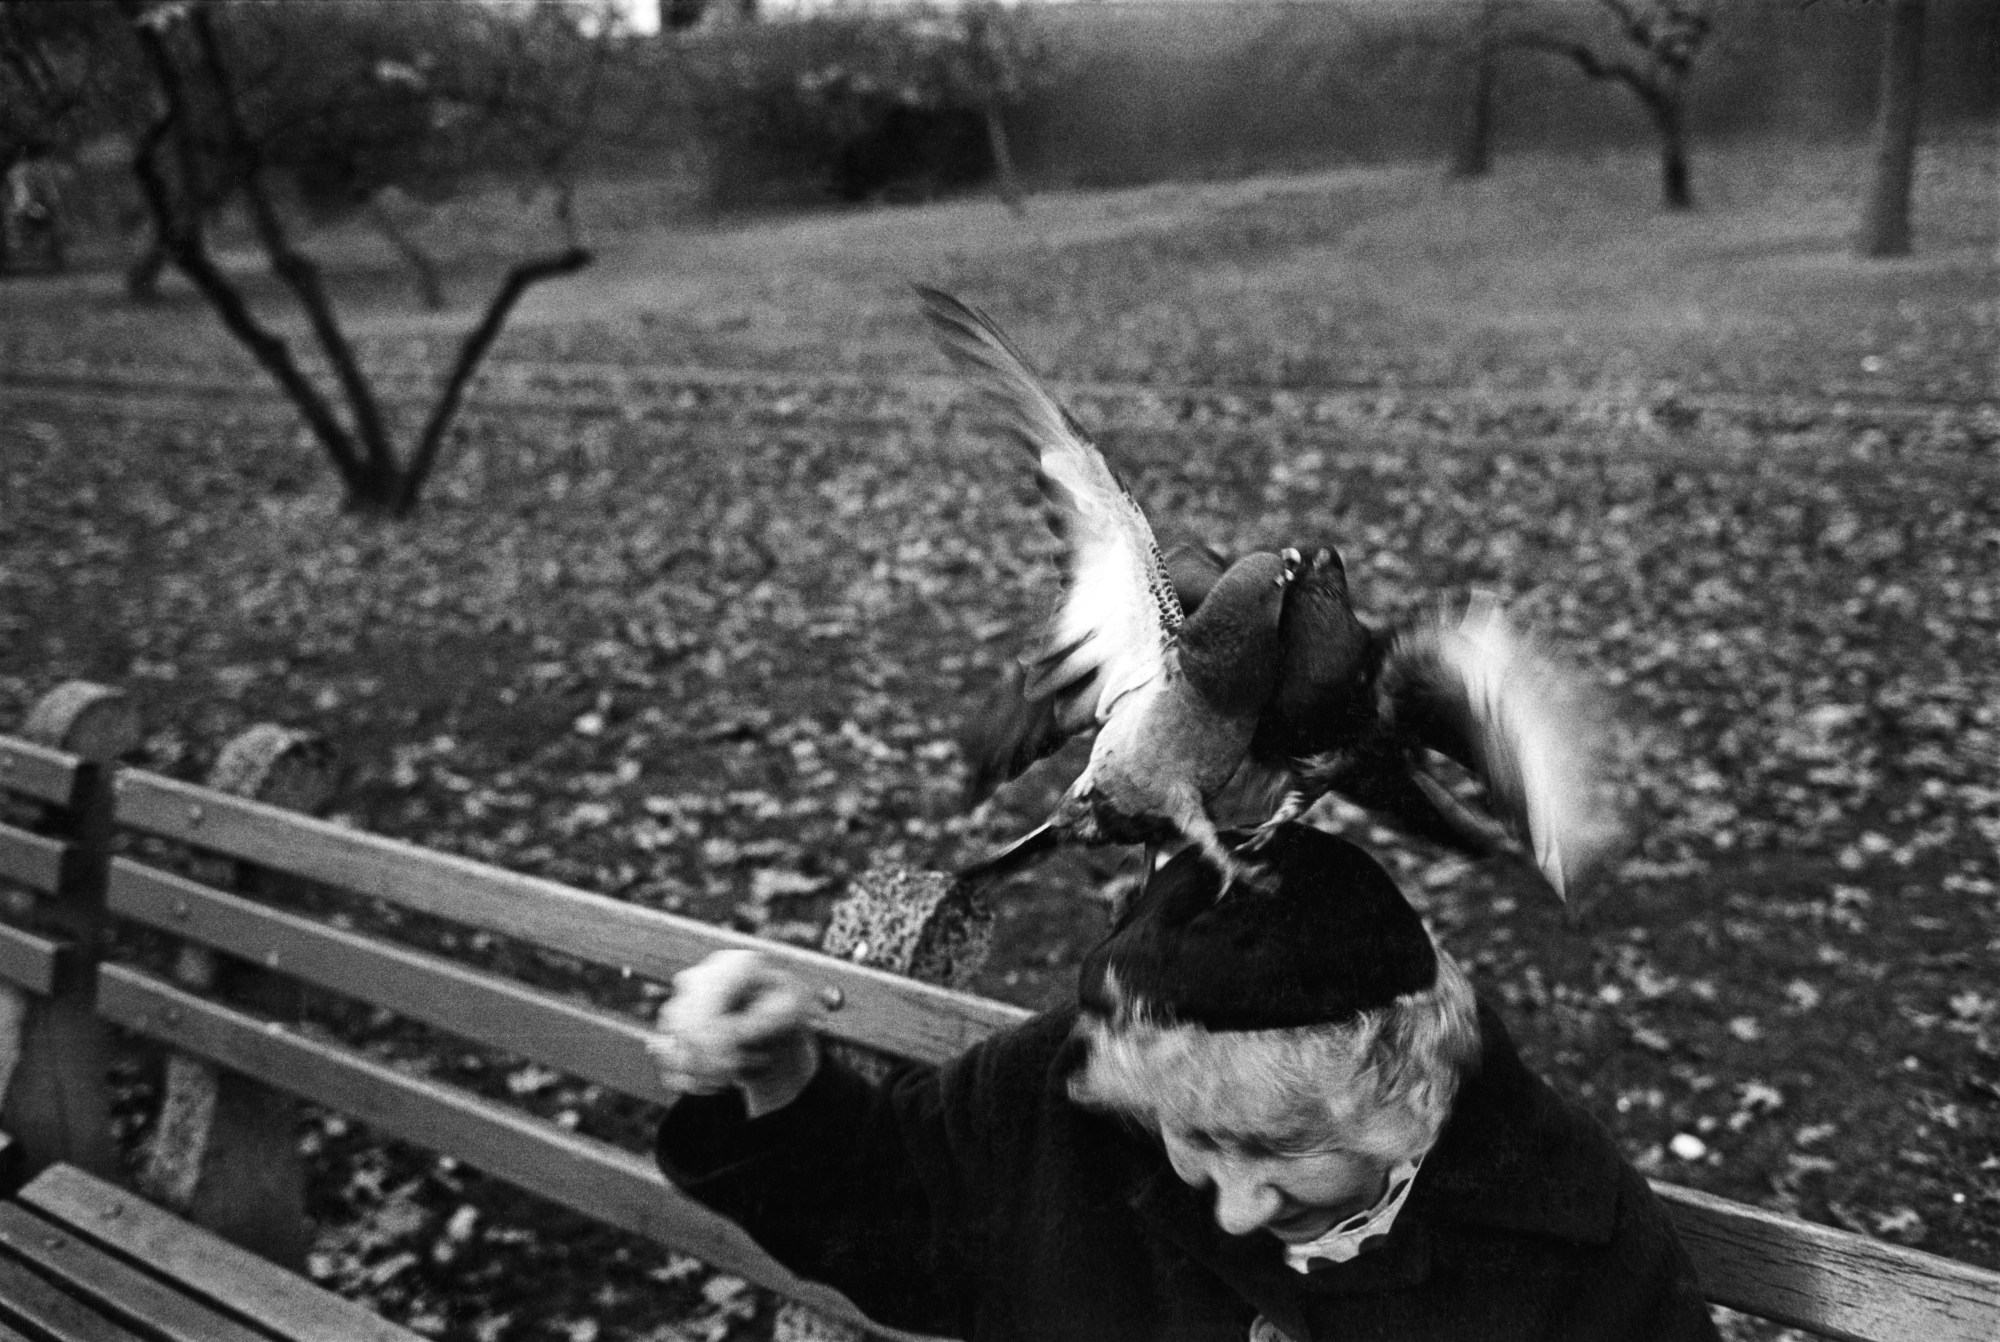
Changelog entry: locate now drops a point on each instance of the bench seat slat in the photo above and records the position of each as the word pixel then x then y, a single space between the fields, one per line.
pixel 1831 1281
pixel 45 1310
pixel 39 772
pixel 33 860
pixel 30 961
pixel 112 1286
pixel 585 1041
pixel 883 1010
pixel 201 1262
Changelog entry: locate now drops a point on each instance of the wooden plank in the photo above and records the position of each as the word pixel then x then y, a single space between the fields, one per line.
pixel 592 1177
pixel 603 1181
pixel 40 772
pixel 111 1286
pixel 203 1263
pixel 1830 1281
pixel 41 1308
pixel 33 860
pixel 32 962
pixel 885 1011
pixel 597 1045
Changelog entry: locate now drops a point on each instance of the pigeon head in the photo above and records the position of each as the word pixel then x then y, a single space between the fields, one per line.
pixel 1327 565
pixel 1325 642
pixel 1229 648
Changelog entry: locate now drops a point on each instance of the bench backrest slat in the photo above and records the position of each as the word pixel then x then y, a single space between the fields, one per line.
pixel 31 860
pixel 31 962
pixel 37 771
pixel 1830 1281
pixel 883 1010
pixel 599 1180
pixel 585 1041
pixel 202 1263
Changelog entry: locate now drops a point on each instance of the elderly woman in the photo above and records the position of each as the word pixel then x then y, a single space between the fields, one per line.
pixel 1275 1114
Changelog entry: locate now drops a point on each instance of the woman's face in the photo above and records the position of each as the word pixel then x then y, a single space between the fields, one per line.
pixel 1271 1174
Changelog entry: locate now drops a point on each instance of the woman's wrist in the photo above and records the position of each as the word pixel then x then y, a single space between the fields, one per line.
pixel 783 1080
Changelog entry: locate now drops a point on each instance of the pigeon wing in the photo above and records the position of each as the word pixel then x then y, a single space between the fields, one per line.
pixel 1472 688
pixel 1011 732
pixel 1118 613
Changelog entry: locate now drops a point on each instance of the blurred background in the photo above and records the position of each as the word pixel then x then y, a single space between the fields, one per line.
pixel 529 399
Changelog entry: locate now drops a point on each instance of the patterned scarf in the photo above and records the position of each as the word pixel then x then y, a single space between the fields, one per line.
pixel 1351 1236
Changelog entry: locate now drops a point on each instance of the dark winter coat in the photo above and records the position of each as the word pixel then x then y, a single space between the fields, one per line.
pixel 977 1201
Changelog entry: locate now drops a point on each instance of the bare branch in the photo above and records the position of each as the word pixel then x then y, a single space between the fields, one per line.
pixel 477 341
pixel 183 244
pixel 291 265
pixel 1592 65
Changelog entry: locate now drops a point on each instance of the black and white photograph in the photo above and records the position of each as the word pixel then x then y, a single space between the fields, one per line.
pixel 1007 670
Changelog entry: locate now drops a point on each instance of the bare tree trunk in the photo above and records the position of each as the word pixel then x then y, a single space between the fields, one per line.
pixel 360 449
pixel 430 287
pixel 1473 156
pixel 1885 217
pixel 1676 187
pixel 480 339
pixel 1005 179
pixel 142 277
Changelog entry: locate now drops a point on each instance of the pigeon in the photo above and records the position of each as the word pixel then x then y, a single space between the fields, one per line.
pixel 1357 713
pixel 1174 699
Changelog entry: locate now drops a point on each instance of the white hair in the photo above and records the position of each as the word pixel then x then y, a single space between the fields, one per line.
pixel 1381 1083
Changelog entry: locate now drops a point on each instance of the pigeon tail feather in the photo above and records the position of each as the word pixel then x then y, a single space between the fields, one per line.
pixel 1480 692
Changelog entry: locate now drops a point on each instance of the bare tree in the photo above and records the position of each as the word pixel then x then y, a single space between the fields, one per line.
pixel 202 117
pixel 1472 155
pixel 59 77
pixel 1663 38
pixel 1885 216
pixel 1000 59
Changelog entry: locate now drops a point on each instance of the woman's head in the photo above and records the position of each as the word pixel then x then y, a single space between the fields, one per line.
pixel 1290 1046
pixel 1380 1082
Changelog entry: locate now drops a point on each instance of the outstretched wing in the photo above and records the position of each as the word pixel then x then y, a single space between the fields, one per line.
pixel 1472 688
pixel 1011 731
pixel 1118 613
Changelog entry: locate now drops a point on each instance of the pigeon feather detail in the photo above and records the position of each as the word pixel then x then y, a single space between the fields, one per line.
pixel 1118 614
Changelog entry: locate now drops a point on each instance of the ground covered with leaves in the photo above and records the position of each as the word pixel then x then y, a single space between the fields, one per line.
pixel 704 640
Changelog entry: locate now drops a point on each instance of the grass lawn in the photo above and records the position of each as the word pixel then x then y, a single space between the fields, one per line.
pixel 706 646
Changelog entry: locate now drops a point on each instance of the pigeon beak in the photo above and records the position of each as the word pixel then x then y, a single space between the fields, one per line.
pixel 1293 562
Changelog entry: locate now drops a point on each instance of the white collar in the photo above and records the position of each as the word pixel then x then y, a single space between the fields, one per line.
pixel 1349 1237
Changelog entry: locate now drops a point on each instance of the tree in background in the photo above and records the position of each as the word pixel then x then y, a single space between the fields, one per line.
pixel 61 79
pixel 1885 215
pixel 242 92
pixel 895 105
pixel 997 59
pixel 1663 38
pixel 355 105
pixel 1472 154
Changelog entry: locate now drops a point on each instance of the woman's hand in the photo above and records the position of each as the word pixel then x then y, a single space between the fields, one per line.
pixel 739 1019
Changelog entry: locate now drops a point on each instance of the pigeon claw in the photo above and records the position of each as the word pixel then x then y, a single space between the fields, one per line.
pixel 1238 874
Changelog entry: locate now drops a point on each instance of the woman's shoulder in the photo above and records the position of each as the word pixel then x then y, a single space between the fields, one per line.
pixel 1518 1155
pixel 1031 1058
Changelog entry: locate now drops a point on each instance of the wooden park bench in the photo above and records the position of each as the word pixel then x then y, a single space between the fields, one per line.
pixel 219 873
